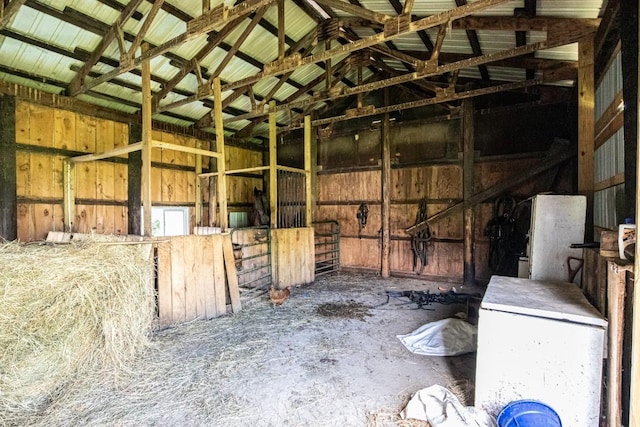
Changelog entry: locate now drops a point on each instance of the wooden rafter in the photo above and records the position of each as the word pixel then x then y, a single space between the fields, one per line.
pixel 142 32
pixel 292 63
pixel 195 28
pixel 7 12
pixel 472 36
pixel 356 10
pixel 78 84
pixel 236 46
pixel 442 69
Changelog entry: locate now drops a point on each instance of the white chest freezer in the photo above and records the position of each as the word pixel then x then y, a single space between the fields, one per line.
pixel 540 340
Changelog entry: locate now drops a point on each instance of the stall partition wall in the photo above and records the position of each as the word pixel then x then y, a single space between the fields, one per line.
pixel 45 136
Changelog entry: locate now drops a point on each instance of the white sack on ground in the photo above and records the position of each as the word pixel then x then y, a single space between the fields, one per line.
pixel 441 408
pixel 447 337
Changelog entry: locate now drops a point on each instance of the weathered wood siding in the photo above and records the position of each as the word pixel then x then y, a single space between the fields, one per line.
pixel 293 256
pixel 45 136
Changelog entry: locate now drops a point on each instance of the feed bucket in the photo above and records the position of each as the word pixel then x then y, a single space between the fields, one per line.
pixel 528 413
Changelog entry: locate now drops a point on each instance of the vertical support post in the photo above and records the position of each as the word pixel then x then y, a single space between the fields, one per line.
pixel 308 171
pixel 628 17
pixel 134 183
pixel 273 165
pixel 8 180
pixel 146 144
pixel 586 132
pixel 222 165
pixel 634 387
pixel 69 193
pixel 198 189
pixel 385 264
pixel 468 154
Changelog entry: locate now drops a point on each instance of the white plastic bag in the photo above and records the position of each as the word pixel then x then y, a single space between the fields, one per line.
pixel 441 408
pixel 447 337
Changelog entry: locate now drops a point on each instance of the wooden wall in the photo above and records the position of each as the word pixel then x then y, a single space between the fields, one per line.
pixel 341 190
pixel 45 136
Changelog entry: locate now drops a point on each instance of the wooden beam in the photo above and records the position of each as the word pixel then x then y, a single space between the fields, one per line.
pixel 468 154
pixel 441 69
pixel 195 28
pixel 385 143
pixel 7 12
pixel 435 52
pixel 222 159
pixel 472 36
pixel 549 163
pixel 69 194
pixel 134 183
pixel 586 133
pixel 111 153
pixel 281 33
pixel 356 10
pixel 143 29
pixel 185 149
pixel 616 288
pixel 8 180
pixel 78 84
pixel 422 24
pixel 408 7
pixel 273 166
pixel 634 387
pixel 146 145
pixel 308 168
pixel 523 23
pixel 236 45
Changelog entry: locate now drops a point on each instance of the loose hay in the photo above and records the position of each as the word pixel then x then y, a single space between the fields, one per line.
pixel 66 310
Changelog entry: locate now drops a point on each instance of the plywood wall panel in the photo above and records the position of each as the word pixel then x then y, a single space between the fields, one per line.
pixel 23 130
pixel 65 130
pixel 360 253
pixel 41 123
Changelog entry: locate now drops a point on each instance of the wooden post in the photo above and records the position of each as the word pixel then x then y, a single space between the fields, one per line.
pixel 222 166
pixel 308 171
pixel 281 32
pixel 69 194
pixel 634 388
pixel 467 183
pixel 146 144
pixel 586 132
pixel 616 287
pixel 628 17
pixel 273 163
pixel 134 183
pixel 198 190
pixel 385 265
pixel 8 180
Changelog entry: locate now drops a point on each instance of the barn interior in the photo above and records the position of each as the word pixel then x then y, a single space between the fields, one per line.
pixel 227 213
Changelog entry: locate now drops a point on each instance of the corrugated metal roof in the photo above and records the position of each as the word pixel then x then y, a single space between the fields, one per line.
pixel 261 45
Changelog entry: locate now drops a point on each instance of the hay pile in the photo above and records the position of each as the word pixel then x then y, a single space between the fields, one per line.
pixel 66 310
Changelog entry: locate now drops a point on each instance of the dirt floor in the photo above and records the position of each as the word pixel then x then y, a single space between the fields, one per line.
pixel 328 356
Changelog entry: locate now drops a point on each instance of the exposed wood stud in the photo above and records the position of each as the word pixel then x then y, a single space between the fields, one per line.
pixel 146 146
pixel 221 161
pixel 385 260
pixel 69 194
pixel 8 180
pixel 468 153
pixel 273 163
pixel 308 168
pixel 134 183
pixel 586 129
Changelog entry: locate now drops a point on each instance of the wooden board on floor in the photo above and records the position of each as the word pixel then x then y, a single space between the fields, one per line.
pixel 232 275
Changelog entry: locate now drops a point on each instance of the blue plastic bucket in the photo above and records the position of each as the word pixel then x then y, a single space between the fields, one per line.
pixel 528 413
